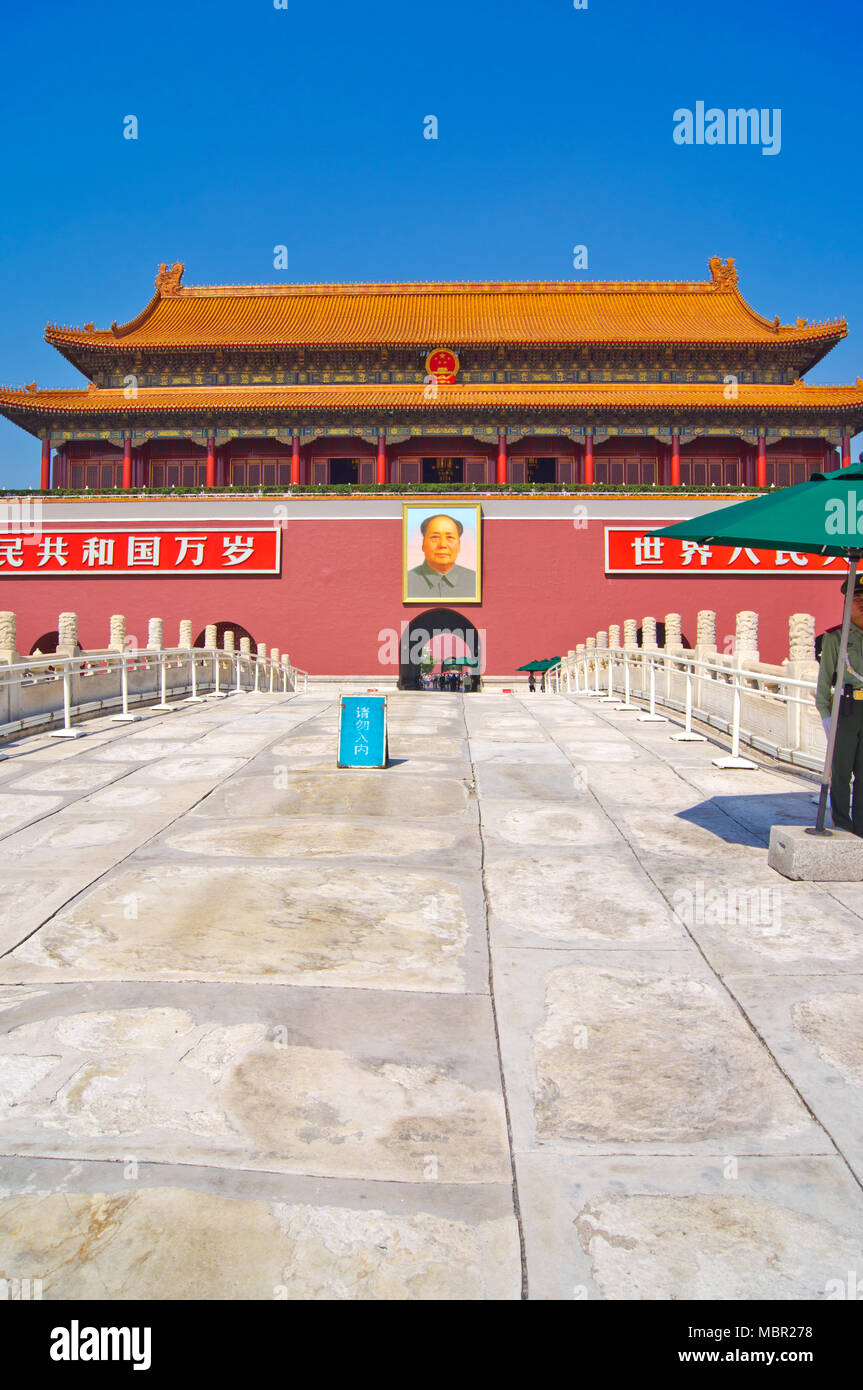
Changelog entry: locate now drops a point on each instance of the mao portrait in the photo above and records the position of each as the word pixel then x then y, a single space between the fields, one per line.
pixel 441 553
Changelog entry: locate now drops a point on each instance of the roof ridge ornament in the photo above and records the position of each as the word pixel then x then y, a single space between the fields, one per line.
pixel 168 281
pixel 723 273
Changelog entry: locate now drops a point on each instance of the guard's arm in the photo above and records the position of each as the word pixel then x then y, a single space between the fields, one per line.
pixel 826 674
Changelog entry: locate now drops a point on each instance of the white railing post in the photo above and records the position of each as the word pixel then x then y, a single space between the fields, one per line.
pixel 688 736
pixel 67 731
pixel 195 698
pixel 163 706
pixel 652 717
pixel 125 717
pixel 735 760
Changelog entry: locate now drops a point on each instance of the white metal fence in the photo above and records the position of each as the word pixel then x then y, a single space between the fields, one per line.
pixel 36 691
pixel 768 707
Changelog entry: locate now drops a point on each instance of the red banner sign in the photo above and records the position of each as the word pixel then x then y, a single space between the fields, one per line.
pixel 634 551
pixel 193 551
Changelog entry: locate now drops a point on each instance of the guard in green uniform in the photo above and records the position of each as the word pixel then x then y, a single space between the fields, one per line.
pixel 848 750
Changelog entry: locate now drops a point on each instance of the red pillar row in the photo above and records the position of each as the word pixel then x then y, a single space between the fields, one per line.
pixel 588 458
pixel 381 466
pixel 675 459
pixel 761 473
pixel 846 450
pixel 211 461
pixel 127 463
pixel 295 460
pixel 45 478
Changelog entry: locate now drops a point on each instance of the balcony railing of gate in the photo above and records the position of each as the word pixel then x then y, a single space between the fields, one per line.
pixel 767 706
pixel 51 689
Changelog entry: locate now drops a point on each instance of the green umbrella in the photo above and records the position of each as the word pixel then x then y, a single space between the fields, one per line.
pixel 823 516
pixel 532 666
pixel 461 661
pixel 549 662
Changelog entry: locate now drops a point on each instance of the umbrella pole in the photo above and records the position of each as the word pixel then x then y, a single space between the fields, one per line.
pixel 818 828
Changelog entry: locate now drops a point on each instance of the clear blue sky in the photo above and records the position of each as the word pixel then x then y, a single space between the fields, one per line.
pixel 304 127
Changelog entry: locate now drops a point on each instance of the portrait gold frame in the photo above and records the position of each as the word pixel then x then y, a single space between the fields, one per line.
pixel 413 513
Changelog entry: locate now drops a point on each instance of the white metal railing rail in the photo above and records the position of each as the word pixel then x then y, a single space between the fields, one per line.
pixel 53 689
pixel 756 703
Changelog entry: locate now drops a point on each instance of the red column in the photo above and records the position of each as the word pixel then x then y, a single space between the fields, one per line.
pixel 761 472
pixel 211 461
pixel 381 472
pixel 588 458
pixel 295 460
pixel 45 480
pixel 502 469
pixel 127 463
pixel 675 459
pixel 846 450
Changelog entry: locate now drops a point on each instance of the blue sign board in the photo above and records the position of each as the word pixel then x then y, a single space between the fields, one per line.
pixel 363 731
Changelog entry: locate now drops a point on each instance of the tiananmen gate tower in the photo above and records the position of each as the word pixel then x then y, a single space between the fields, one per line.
pixel 355 403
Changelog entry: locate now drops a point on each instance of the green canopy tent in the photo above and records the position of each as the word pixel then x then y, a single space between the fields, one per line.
pixel 460 661
pixel 532 666
pixel 823 516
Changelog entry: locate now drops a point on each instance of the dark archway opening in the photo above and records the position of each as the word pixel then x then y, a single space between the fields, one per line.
pixel 660 637
pixel 46 645
pixel 422 629
pixel 221 628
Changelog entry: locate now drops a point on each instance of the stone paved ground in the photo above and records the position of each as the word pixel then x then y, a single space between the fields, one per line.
pixel 525 1011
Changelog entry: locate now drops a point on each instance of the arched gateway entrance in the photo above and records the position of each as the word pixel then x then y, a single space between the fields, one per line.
pixel 422 629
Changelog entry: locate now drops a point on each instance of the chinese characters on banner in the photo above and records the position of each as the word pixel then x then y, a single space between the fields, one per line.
pixel 190 551
pixel 630 550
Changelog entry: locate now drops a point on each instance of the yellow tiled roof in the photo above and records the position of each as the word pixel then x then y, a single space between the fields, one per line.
pixel 446 315
pixel 379 397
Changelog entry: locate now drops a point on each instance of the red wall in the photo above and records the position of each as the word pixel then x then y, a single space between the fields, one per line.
pixel 543 584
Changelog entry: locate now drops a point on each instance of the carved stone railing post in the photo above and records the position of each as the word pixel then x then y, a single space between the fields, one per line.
pixel 117 639
pixel 746 636
pixel 186 637
pixel 67 634
pixel 228 640
pixel 705 650
pixel 8 638
pixel 802 723
pixel 154 635
pixel 210 636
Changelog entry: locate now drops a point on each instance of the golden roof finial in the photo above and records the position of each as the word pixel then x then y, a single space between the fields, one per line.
pixel 723 274
pixel 168 281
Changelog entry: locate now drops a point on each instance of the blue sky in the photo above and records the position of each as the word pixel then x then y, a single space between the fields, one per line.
pixel 304 127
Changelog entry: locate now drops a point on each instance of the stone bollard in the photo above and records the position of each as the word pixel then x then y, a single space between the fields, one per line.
pixel 210 636
pixel 602 641
pixel 801 637
pixel 705 637
pixel 705 650
pixel 746 636
pixel 8 638
pixel 154 635
pixel 67 634
pixel 246 646
pixel 648 635
pixel 803 731
pixel 630 632
pixel 186 636
pixel 228 640
pixel 673 632
pixel 614 636
pixel 117 639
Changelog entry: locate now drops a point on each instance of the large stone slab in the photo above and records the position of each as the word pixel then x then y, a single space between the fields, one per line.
pixel 367 929
pixel 170 1243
